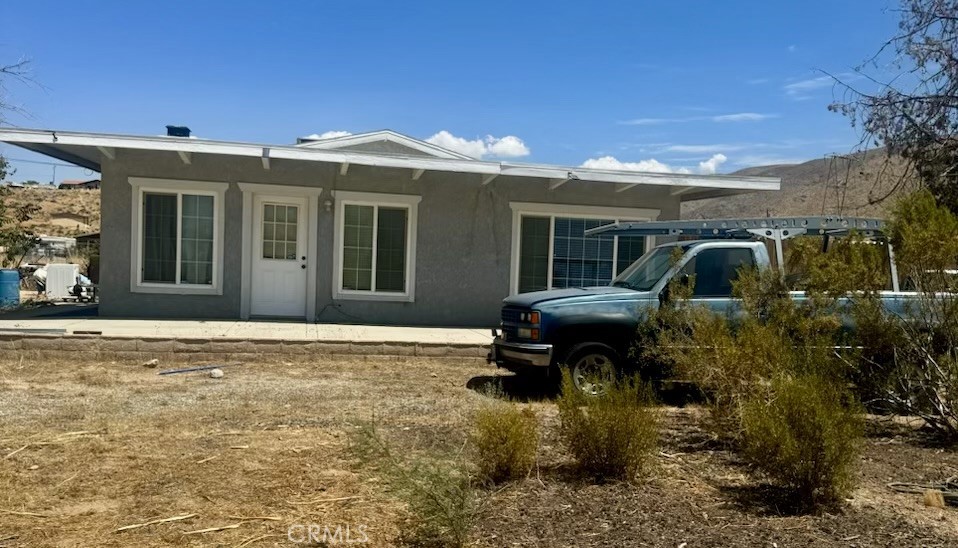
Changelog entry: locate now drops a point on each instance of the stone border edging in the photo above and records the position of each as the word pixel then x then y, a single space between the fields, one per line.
pixel 206 349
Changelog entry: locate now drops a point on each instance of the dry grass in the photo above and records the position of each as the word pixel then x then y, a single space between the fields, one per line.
pixel 89 448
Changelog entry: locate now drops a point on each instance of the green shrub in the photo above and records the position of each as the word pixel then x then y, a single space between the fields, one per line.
pixel 611 436
pixel 439 492
pixel 806 436
pixel 506 441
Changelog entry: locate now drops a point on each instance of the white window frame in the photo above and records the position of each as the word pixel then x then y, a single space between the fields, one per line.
pixel 141 186
pixel 406 201
pixel 611 214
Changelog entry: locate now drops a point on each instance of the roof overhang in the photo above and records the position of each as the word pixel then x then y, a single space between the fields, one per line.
pixel 91 150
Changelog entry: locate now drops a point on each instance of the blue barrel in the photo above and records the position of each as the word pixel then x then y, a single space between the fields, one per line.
pixel 9 288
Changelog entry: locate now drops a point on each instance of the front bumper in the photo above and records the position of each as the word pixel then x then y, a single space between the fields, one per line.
pixel 512 355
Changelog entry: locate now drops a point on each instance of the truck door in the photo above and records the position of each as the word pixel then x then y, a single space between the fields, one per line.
pixel 714 270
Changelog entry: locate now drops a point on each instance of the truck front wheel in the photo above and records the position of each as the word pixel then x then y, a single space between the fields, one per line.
pixel 592 367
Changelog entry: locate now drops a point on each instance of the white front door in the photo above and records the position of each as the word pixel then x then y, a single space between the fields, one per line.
pixel 279 256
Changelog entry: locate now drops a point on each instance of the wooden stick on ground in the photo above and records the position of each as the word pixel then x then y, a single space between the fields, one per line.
pixel 28 514
pixel 320 501
pixel 251 540
pixel 154 522
pixel 255 518
pixel 207 459
pixel 213 529
pixel 14 452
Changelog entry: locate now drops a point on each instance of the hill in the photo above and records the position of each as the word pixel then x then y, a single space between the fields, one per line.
pixel 62 212
pixel 849 185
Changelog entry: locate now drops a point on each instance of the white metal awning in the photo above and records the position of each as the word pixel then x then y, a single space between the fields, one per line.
pixel 91 150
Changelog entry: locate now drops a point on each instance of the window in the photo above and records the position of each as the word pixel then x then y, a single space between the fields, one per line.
pixel 554 252
pixel 716 269
pixel 279 231
pixel 376 235
pixel 177 236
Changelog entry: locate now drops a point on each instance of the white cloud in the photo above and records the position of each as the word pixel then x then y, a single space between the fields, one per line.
pixel 743 117
pixel 710 166
pixel 509 146
pixel 610 162
pixel 732 117
pixel 802 88
pixel 792 48
pixel 327 135
pixel 707 167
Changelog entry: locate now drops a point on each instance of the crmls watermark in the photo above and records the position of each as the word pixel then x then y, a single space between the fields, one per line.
pixel 312 533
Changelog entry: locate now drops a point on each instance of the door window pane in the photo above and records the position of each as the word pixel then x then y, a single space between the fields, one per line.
pixel 358 247
pixel 159 238
pixel 534 254
pixel 280 231
pixel 391 249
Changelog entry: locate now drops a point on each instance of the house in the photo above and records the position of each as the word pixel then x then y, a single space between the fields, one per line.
pixel 376 228
pixel 75 184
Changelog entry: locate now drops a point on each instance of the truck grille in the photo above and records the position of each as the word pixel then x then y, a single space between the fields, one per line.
pixel 510 321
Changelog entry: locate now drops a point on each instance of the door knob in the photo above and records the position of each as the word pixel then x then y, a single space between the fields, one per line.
pixel 303 258
pixel 302 266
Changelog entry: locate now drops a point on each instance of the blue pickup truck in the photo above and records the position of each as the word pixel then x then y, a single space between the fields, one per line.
pixel 590 329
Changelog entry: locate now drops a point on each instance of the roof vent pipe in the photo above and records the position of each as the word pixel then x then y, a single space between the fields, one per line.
pixel 177 131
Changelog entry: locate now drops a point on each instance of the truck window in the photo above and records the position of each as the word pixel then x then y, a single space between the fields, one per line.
pixel 716 269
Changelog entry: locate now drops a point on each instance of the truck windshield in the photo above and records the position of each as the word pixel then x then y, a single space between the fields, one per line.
pixel 643 273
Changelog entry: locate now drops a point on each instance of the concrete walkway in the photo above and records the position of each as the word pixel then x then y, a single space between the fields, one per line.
pixel 246 330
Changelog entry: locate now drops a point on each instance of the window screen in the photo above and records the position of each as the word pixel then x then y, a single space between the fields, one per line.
pixel 391 249
pixel 196 252
pixel 534 254
pixel 159 238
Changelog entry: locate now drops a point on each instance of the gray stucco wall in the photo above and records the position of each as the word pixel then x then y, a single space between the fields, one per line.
pixel 463 246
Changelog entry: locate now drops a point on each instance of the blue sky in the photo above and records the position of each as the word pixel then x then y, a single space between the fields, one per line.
pixel 613 84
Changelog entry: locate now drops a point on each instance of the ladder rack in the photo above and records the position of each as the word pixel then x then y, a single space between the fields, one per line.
pixel 776 229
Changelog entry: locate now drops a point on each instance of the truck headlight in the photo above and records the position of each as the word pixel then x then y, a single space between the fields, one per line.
pixel 528 333
pixel 529 317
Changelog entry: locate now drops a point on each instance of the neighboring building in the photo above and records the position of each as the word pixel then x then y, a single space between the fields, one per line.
pixel 75 184
pixel 374 228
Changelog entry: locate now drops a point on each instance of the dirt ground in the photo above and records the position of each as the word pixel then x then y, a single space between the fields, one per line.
pixel 86 449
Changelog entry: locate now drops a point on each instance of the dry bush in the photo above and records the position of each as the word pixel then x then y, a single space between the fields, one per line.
pixel 612 436
pixel 775 386
pixel 732 358
pixel 506 441
pixel 907 362
pixel 807 436
pixel 439 492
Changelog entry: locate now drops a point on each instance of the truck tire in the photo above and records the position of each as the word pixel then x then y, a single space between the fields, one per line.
pixel 592 366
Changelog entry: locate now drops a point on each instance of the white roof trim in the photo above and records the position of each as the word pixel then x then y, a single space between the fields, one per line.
pixel 50 142
pixel 384 135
